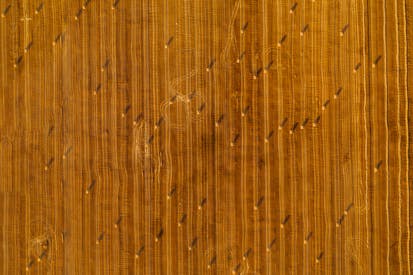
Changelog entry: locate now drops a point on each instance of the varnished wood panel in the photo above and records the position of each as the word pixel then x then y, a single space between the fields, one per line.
pixel 206 136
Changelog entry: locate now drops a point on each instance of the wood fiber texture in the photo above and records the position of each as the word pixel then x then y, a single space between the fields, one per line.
pixel 206 136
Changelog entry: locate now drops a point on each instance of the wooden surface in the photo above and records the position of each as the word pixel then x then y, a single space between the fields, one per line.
pixel 205 137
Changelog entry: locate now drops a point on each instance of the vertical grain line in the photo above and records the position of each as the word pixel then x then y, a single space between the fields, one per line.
pixel 266 148
pixel 365 116
pixel 407 133
pixel 399 244
pixel 387 136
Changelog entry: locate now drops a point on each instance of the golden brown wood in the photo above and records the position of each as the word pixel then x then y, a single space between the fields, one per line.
pixel 206 137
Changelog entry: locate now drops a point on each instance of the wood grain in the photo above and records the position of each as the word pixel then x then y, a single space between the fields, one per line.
pixel 206 137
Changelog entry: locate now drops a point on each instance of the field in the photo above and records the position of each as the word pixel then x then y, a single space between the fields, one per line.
pixel 206 137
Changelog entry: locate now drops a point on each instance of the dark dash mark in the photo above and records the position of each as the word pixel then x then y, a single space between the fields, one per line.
pixel 171 193
pixel 51 129
pixel 169 42
pixel 376 169
pixel 338 92
pixel 100 238
pixel 97 89
pixel 57 38
pixel 115 4
pixel 376 61
pixel 193 243
pixel 285 221
pixel 105 65
pixel 319 257
pixel 348 208
pixel 182 220
pixel 39 8
pixel 159 235
pixel 90 187
pixel 259 202
pixel 31 262
pixel 293 7
pixel 236 268
pixel 267 68
pixel 308 237
pixel 140 251
pixel 257 73
pixel 245 111
pixel 293 128
pixel 246 254
pixel 344 29
pixel 28 47
pixel 304 30
pixel 18 61
pixel 6 10
pixel 173 99
pixel 210 65
pixel 159 122
pixel 316 120
pixel 203 201
pixel 221 117
pixel 85 4
pixel 150 139
pixel 49 163
pixel 67 152
pixel 244 27
pixel 78 14
pixel 201 108
pixel 283 122
pixel 212 261
pixel 304 123
pixel 325 105
pixel 282 40
pixel 42 255
pixel 270 134
pixel 126 110
pixel 234 140
pixel 138 118
pixel 240 57
pixel 340 221
pixel 270 245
